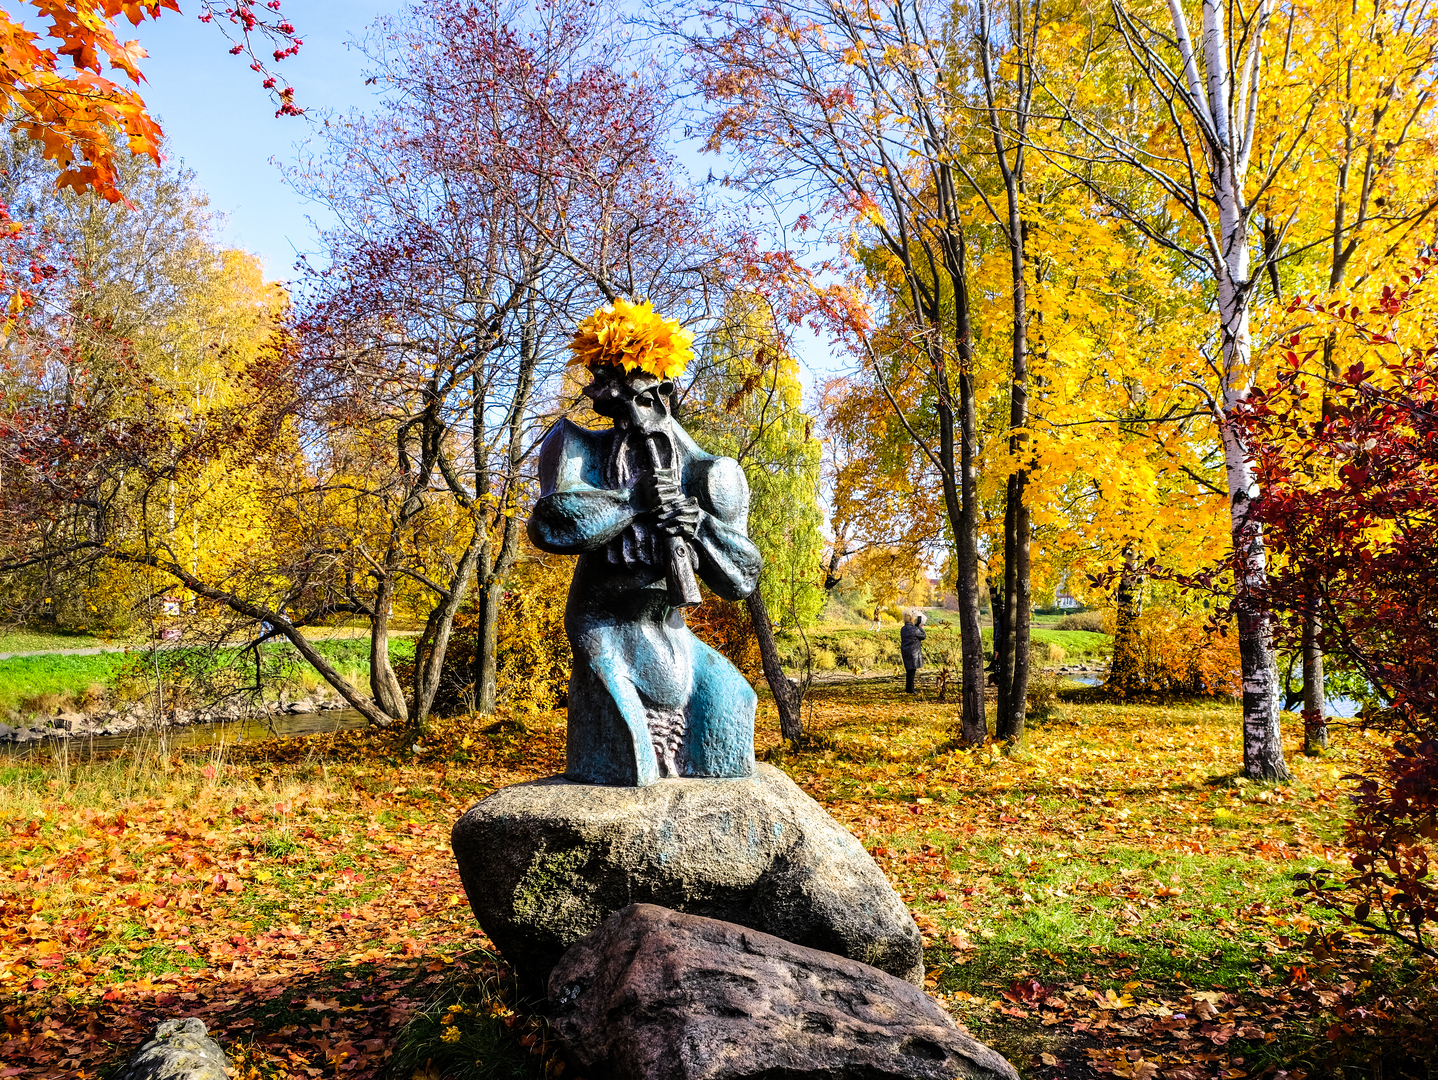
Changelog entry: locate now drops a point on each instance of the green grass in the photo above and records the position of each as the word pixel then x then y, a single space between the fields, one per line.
pixel 1117 854
pixel 1055 914
pixel 859 650
pixel 37 685
pixel 1077 643
pixel 15 641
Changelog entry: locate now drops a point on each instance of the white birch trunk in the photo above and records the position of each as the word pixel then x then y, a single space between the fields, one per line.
pixel 1232 117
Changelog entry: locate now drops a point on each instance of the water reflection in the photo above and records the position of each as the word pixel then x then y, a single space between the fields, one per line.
pixel 225 732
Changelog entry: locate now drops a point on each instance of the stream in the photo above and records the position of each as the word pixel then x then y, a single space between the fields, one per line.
pixel 219 733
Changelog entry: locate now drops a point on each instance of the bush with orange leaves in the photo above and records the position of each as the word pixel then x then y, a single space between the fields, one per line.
pixel 725 626
pixel 1169 650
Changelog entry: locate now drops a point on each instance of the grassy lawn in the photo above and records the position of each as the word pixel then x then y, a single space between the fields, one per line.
pixel 31 684
pixel 1076 644
pixel 865 650
pixel 19 641
pixel 37 685
pixel 1111 902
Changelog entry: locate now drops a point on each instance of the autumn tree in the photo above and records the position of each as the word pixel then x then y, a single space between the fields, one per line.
pixel 885 505
pixel 1376 131
pixel 482 213
pixel 149 419
pixel 1216 121
pixel 127 297
pixel 1005 39
pixel 74 112
pixel 1224 138
pixel 853 110
pixel 1348 497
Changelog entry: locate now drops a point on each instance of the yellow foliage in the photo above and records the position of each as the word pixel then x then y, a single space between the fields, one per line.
pixel 1173 651
pixel 629 336
pixel 532 658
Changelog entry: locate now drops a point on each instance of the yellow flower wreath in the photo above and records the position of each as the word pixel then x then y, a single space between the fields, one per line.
pixel 632 336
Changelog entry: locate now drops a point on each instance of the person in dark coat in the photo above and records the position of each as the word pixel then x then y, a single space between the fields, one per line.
pixel 911 639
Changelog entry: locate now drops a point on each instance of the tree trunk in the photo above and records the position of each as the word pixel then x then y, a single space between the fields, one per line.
pixel 1262 739
pixel 483 672
pixel 1004 629
pixel 1014 684
pixel 1315 726
pixel 384 684
pixel 786 698
pixel 486 647
pixel 1019 618
pixel 1017 533
pixel 1123 669
pixel 974 725
pixel 996 614
pixel 832 577
pixel 427 673
pixel 493 567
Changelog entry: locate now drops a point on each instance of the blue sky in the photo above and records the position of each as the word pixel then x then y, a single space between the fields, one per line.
pixel 220 122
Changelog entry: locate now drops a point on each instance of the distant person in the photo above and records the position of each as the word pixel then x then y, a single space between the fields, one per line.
pixel 911 639
pixel 876 616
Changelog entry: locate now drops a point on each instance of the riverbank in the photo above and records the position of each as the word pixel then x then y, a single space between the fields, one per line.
pixel 54 694
pixel 136 720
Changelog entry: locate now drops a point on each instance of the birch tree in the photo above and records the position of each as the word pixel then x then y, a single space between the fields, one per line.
pixel 1208 129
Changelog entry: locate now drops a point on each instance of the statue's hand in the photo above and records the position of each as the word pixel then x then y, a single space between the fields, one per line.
pixel 657 492
pixel 674 513
pixel 680 518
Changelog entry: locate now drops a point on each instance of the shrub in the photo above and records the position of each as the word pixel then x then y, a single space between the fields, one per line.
pixel 1092 621
pixel 1043 696
pixel 1347 498
pixel 1172 651
pixel 725 626
pixel 825 660
pixel 944 647
pixel 1057 654
pixel 532 657
pixel 857 652
pixel 886 650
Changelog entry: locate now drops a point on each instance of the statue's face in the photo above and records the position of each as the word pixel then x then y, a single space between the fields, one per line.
pixel 637 400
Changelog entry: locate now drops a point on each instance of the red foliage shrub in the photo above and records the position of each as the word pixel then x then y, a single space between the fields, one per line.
pixel 1348 467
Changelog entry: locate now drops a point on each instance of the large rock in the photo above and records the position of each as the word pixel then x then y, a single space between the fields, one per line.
pixel 177 1050
pixel 545 863
pixel 657 995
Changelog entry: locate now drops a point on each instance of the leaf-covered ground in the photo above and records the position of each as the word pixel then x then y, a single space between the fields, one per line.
pixel 1110 902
